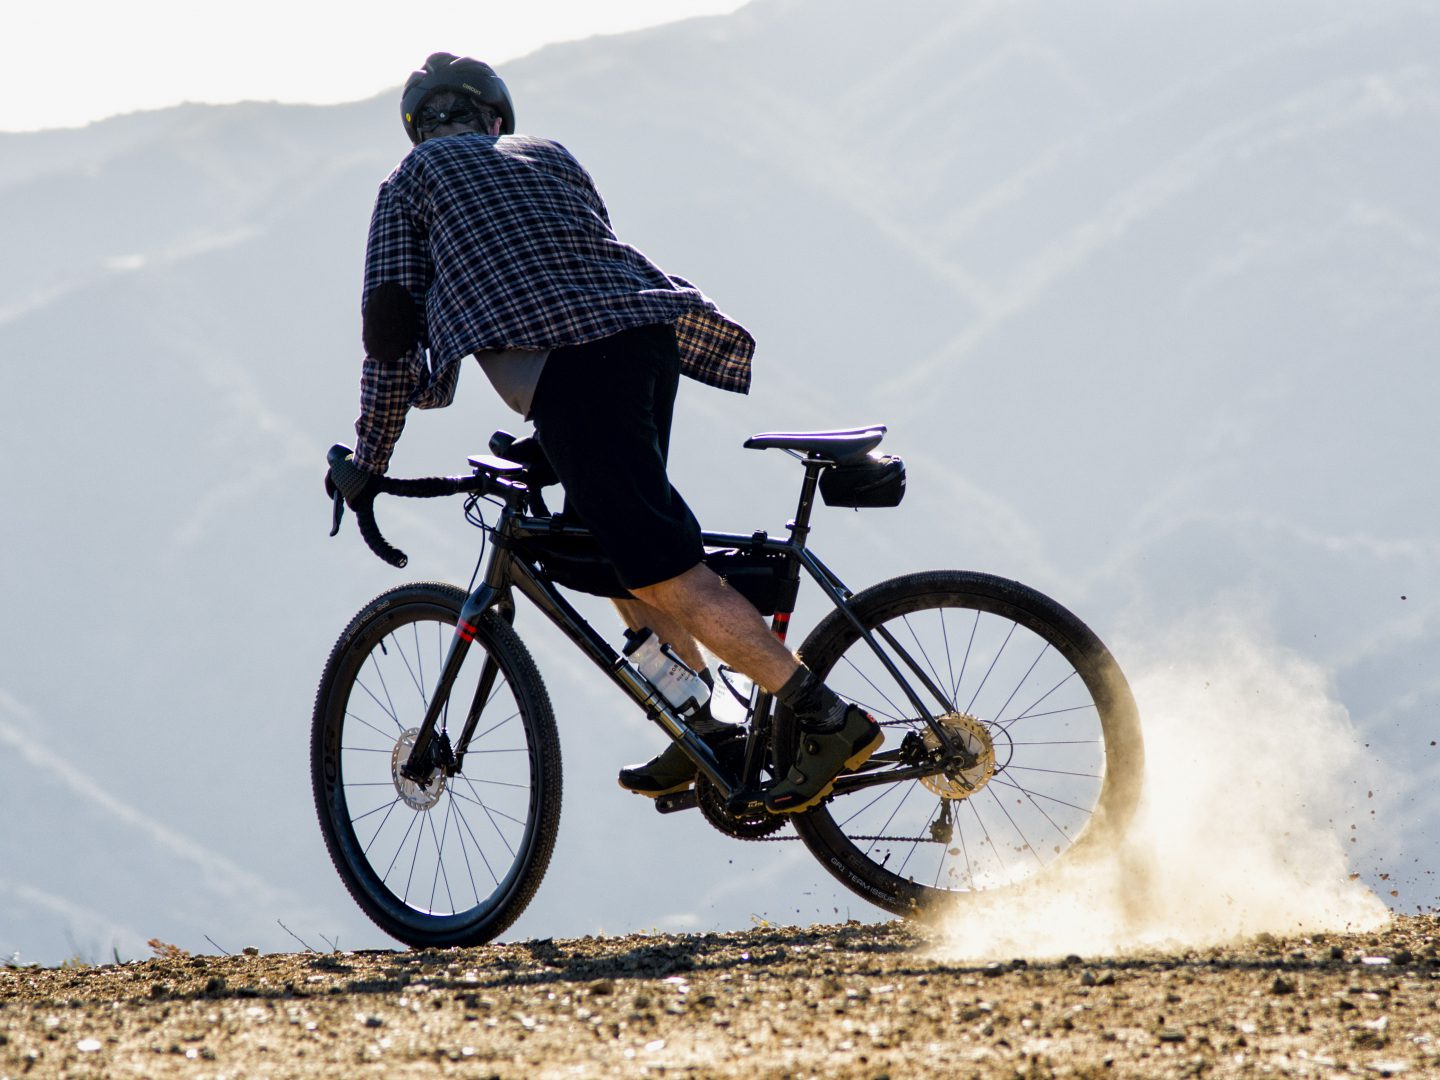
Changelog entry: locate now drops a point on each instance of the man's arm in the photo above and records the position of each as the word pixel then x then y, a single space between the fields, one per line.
pixel 398 272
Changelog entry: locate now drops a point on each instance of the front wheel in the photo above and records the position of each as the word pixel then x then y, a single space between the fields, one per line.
pixel 1030 692
pixel 453 861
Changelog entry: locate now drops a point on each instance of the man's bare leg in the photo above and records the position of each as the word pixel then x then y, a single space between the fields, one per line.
pixel 843 735
pixel 723 621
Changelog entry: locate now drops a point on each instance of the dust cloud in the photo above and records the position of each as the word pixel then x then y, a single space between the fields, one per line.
pixel 1253 772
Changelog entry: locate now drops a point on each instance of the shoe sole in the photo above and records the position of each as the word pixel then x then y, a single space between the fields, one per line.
pixel 853 762
pixel 658 794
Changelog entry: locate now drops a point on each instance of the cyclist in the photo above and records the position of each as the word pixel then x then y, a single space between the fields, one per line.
pixel 490 243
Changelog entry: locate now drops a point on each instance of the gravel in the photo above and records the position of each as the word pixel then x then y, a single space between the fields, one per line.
pixel 826 1001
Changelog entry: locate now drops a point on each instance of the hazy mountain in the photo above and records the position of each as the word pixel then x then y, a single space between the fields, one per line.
pixel 1149 295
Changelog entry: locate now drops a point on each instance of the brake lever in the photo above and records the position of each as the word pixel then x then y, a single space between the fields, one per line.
pixel 339 513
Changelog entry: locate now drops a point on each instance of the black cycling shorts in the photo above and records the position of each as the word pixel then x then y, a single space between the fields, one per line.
pixel 602 412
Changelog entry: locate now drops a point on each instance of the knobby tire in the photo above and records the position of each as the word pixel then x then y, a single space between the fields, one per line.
pixel 1064 731
pixel 461 870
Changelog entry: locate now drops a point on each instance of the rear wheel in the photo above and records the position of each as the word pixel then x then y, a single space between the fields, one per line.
pixel 1028 689
pixel 456 860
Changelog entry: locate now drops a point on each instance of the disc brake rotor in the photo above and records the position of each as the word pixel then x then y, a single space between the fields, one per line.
pixel 412 794
pixel 972 734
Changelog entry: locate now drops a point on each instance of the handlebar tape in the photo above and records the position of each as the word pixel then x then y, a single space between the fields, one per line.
pixel 430 487
pixel 365 518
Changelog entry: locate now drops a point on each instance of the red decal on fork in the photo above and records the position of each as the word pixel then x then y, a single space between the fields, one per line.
pixel 465 630
pixel 780 624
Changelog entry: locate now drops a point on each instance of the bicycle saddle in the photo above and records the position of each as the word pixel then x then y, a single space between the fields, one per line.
pixel 836 446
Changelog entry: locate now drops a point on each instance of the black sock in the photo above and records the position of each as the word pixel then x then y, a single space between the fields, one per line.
pixel 818 707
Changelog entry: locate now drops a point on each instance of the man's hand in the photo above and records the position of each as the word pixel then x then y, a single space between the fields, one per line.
pixel 346 479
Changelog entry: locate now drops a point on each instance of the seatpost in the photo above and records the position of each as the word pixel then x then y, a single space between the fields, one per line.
pixel 800 526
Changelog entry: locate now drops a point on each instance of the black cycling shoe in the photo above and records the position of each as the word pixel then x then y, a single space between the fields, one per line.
pixel 666 773
pixel 820 758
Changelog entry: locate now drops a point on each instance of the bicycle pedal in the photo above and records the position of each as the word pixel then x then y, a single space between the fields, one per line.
pixel 677 801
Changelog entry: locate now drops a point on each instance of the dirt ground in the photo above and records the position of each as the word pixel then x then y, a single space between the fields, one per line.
pixel 825 1001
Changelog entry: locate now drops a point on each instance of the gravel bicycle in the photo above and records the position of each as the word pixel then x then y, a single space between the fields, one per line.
pixel 1012 738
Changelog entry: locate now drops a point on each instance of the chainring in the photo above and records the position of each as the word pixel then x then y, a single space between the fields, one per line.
pixel 755 825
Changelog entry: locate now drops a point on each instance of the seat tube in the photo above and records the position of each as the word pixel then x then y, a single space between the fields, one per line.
pixel 799 528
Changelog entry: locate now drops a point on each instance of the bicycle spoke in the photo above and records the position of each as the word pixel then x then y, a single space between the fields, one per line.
pixel 388 709
pixel 894 712
pixel 884 791
pixel 490 816
pixel 965 660
pixel 439 865
pixel 949 659
pixel 1089 706
pixel 1027 714
pixel 990 840
pixel 464 851
pixel 1027 846
pixel 909 790
pixel 419 837
pixel 1023 679
pixel 399 848
pixel 393 803
pixel 994 660
pixel 494 727
pixel 479 848
pixel 489 809
pixel 1041 795
pixel 372 727
pixel 1053 772
pixel 948 703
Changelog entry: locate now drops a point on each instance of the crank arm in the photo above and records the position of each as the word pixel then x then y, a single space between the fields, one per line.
pixel 677 801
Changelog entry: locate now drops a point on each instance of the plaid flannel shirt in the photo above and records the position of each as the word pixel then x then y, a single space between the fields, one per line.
pixel 505 243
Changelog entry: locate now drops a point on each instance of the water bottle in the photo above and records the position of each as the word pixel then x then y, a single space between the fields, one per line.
pixel 671 677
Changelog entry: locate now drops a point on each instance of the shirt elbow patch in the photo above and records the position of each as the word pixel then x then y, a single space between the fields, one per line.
pixel 388 327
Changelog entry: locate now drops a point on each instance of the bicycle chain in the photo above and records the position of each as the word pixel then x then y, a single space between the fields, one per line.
pixel 888 839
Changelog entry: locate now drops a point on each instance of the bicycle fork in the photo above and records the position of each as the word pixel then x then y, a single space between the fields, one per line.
pixel 424 759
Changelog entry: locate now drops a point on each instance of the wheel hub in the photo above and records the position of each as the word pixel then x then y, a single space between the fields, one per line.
pixel 414 795
pixel 972 734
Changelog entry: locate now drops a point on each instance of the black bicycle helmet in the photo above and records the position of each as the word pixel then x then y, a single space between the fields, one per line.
pixel 446 71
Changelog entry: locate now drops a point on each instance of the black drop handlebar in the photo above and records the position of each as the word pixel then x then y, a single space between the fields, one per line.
pixel 430 487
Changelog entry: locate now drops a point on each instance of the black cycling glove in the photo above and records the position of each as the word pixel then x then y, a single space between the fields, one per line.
pixel 356 485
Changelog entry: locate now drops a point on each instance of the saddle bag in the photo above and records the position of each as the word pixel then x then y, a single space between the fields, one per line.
pixel 871 481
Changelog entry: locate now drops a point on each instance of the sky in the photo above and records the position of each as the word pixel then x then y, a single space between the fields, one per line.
pixel 67 65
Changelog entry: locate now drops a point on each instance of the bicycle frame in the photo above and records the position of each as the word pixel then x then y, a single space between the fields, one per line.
pixel 510 570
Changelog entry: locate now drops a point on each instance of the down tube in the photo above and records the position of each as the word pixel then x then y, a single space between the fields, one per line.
pixel 560 612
